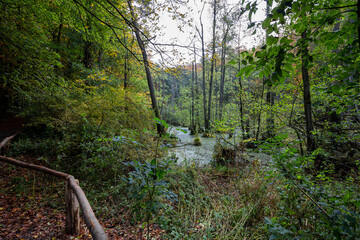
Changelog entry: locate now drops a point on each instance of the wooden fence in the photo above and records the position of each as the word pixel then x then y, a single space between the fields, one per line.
pixel 74 196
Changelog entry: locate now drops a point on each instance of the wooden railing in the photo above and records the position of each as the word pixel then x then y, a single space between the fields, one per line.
pixel 74 196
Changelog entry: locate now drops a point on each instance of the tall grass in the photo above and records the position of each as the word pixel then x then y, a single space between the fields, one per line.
pixel 220 203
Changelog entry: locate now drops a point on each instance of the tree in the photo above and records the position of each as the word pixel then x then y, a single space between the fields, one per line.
pixel 270 96
pixel 213 62
pixel 227 19
pixel 201 35
pixel 311 146
pixel 135 26
pixel 301 26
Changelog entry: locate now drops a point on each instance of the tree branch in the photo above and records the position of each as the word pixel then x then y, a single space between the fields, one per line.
pixel 339 7
pixel 110 26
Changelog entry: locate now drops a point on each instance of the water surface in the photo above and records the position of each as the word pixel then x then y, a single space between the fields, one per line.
pixel 187 153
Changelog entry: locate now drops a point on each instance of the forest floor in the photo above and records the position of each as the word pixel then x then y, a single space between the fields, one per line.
pixel 9 125
pixel 32 207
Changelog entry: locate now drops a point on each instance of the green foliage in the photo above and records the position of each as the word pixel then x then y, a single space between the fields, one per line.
pixel 224 154
pixel 149 189
pixel 311 206
pixel 176 117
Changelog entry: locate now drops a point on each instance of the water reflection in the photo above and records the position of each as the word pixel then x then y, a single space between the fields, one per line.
pixel 186 152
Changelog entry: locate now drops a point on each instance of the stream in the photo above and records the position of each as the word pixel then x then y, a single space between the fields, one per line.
pixel 187 153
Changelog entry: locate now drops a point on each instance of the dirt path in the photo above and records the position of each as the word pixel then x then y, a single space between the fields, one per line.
pixel 32 208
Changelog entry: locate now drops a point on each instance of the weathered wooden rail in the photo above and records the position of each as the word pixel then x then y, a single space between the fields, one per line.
pixel 74 197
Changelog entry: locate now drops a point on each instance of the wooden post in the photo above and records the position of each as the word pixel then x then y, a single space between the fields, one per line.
pixel 96 230
pixel 74 197
pixel 72 210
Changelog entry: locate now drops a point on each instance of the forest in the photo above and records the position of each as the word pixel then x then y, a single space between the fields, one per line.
pixel 250 129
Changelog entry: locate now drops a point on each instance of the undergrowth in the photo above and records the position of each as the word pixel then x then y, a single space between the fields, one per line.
pixel 283 199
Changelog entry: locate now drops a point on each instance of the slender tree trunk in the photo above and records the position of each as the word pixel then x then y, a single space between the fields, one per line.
pixel 223 69
pixel 87 60
pixel 241 102
pixel 260 111
pixel 58 36
pixel 160 128
pixel 197 122
pixel 270 99
pixel 243 129
pixel 125 71
pixel 201 34
pixel 127 65
pixel 126 59
pixel 212 66
pixel 162 92
pixel 270 96
pixel 192 96
pixel 210 94
pixel 311 146
pixel 173 92
pixel 204 81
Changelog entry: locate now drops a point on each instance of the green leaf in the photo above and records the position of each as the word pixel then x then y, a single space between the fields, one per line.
pixel 161 122
pixel 288 67
pixel 182 130
pixel 250 59
pixel 285 41
pixel 261 74
pixel 266 23
pixel 251 25
pixel 271 40
pixel 233 62
pixel 269 30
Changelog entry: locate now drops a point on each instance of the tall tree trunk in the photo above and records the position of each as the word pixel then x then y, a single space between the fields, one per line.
pixel 160 128
pixel 241 102
pixel 197 122
pixel 87 60
pixel 126 60
pixel 311 146
pixel 210 94
pixel 192 117
pixel 212 65
pixel 173 92
pixel 201 35
pixel 162 92
pixel 270 96
pixel 126 71
pixel 270 99
pixel 260 111
pixel 223 69
pixel 241 109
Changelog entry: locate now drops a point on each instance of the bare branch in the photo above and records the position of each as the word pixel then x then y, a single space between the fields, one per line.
pixel 110 26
